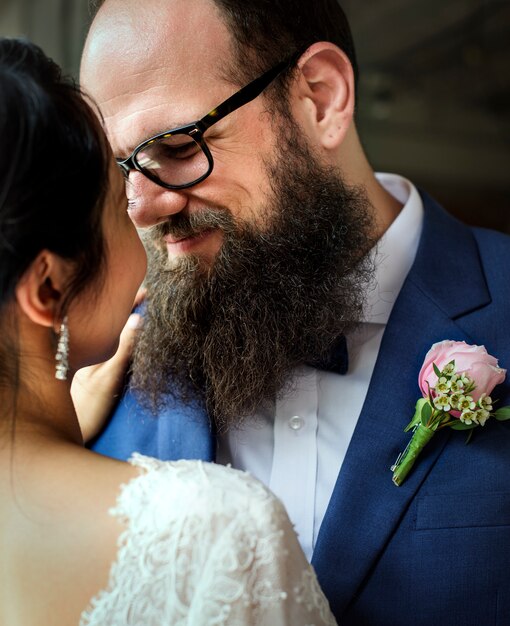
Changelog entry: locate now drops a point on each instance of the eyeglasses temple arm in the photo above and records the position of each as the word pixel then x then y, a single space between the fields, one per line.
pixel 245 95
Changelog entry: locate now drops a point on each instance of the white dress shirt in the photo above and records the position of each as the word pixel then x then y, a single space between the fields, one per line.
pixel 297 446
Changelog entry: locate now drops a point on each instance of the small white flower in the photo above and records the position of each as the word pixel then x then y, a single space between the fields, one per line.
pixel 455 399
pixel 466 381
pixel 442 403
pixel 469 417
pixel 466 403
pixel 483 416
pixel 456 385
pixel 448 370
pixel 442 386
pixel 485 402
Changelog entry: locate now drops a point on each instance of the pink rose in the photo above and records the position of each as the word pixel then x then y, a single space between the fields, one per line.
pixel 474 361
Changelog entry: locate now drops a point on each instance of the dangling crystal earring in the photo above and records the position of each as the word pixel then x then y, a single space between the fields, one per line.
pixel 62 356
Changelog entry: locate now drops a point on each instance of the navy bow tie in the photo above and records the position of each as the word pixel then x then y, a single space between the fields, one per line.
pixel 338 359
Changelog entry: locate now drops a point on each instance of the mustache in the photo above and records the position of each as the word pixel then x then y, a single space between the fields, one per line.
pixel 183 225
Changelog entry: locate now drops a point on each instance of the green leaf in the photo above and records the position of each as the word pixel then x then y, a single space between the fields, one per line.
pixel 417 415
pixel 426 414
pixel 502 414
pixel 437 371
pixel 468 438
pixel 461 426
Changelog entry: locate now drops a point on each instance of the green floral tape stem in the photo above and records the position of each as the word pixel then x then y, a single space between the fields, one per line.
pixel 421 436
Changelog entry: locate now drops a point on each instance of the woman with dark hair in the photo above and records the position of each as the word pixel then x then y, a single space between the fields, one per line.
pixel 83 538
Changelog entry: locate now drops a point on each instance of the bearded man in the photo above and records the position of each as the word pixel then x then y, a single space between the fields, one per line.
pixel 292 297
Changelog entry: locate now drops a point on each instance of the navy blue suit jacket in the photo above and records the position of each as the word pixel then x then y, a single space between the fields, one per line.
pixel 437 549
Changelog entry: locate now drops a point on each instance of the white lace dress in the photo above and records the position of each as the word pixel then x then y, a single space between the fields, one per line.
pixel 205 545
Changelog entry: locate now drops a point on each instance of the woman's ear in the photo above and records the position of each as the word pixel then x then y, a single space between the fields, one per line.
pixel 326 89
pixel 40 291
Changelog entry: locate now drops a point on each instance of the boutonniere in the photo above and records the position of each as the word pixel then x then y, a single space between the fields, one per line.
pixel 456 381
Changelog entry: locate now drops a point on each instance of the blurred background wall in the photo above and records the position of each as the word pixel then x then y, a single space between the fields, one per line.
pixel 58 26
pixel 434 100
pixel 434 96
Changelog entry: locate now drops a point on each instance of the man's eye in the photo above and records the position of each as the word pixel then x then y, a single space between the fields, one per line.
pixel 178 151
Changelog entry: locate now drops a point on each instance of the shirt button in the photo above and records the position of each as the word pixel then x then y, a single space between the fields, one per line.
pixel 296 422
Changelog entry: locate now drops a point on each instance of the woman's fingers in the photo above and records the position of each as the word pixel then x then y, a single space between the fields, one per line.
pixel 127 341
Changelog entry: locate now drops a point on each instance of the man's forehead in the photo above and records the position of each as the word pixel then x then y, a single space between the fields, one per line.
pixel 161 19
pixel 151 65
pixel 135 38
pixel 132 117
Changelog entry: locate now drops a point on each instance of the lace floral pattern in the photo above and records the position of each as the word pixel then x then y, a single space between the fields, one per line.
pixel 205 545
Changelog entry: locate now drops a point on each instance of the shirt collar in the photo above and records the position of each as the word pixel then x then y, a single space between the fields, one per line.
pixel 395 252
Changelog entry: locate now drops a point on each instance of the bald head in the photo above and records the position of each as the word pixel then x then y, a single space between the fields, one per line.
pixel 129 38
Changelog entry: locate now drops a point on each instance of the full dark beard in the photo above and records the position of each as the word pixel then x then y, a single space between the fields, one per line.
pixel 277 296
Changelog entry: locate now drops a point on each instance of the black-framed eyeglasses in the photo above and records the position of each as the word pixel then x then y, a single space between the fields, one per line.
pixel 179 157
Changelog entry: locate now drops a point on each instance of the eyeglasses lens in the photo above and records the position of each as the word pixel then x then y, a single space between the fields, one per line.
pixel 175 160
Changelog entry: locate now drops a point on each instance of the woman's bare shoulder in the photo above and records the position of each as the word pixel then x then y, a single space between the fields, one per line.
pixel 57 534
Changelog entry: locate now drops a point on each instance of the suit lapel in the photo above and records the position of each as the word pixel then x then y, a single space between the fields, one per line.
pixel 366 506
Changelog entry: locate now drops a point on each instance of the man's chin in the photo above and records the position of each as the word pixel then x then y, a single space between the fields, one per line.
pixel 190 264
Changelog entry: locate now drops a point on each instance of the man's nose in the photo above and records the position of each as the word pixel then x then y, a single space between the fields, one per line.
pixel 150 204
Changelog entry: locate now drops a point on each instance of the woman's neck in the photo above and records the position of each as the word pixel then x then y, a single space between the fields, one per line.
pixel 41 406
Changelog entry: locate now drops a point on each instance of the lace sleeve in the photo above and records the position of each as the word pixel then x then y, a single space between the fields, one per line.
pixel 205 545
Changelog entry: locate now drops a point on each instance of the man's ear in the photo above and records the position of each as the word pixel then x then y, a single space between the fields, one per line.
pixel 40 291
pixel 326 92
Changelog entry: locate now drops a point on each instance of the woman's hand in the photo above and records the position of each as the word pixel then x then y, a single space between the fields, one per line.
pixel 96 389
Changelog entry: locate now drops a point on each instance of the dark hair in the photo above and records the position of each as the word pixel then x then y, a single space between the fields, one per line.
pixel 266 32
pixel 54 162
pixel 53 169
